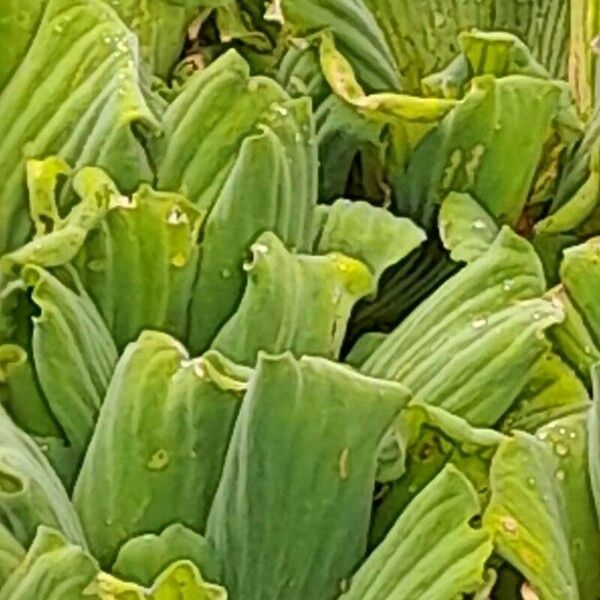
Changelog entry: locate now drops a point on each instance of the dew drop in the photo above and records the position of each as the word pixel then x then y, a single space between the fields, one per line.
pixel 507 285
pixel 531 482
pixel 479 224
pixel 479 323
pixel 572 435
pixel 226 274
pixel 509 524
pixel 560 475
pixel 561 449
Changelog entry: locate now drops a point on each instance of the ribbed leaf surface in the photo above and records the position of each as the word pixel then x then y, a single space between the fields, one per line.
pixel 280 521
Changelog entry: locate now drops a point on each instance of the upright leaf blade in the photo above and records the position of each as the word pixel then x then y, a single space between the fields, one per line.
pixel 88 95
pixel 326 422
pixel 172 417
pixel 431 552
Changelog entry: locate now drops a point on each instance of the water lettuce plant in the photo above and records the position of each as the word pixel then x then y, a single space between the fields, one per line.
pixel 299 300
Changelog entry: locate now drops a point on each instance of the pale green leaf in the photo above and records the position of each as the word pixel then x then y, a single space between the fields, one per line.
pixel 172 417
pixel 326 422
pixel 308 300
pixel 431 552
pixel 53 569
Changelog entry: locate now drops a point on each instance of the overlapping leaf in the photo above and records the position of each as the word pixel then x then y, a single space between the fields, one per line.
pixel 53 568
pixel 204 127
pixel 250 204
pixel 446 351
pixel 431 552
pixel 142 559
pixel 172 417
pixel 181 580
pixel 308 298
pixel 284 514
pixel 83 66
pixel 31 492
pixel 541 510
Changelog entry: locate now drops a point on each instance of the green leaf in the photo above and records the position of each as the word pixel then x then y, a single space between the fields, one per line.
pixel 466 229
pixel 447 350
pixel 422 37
pixel 206 124
pixel 584 21
pixel 180 581
pixel 22 395
pixel 580 274
pixel 11 554
pixel 142 559
pixel 299 72
pixel 232 26
pixel 87 99
pixel 496 53
pixel 489 146
pixel 355 31
pixel 431 552
pixel 136 256
pixel 53 569
pixel 17 27
pixel 342 133
pixel 364 347
pixel 172 418
pixel 367 233
pixel 308 300
pixel 574 212
pixel 73 355
pixel 541 510
pixel 594 440
pixel 384 106
pixel 31 492
pixel 326 422
pixel 139 264
pixel 572 338
pixel 552 391
pixel 250 204
pixel 422 440
pixel 543 26
pixel 160 26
